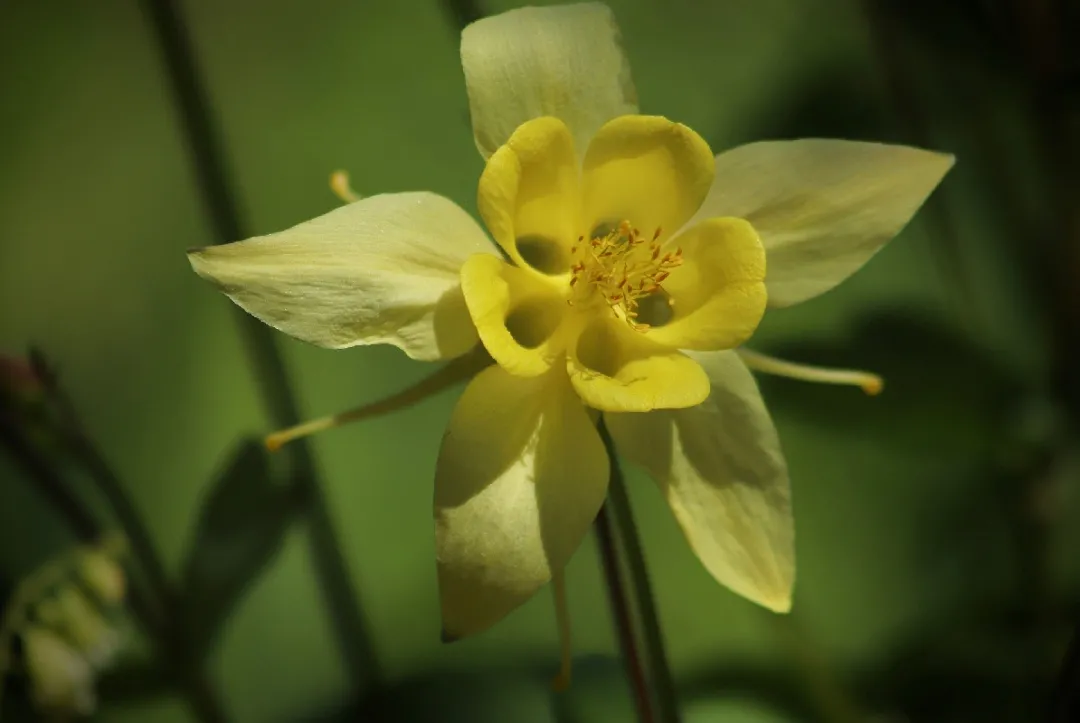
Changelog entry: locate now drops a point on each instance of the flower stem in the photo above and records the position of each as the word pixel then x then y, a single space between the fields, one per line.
pixel 353 634
pixel 135 532
pixel 621 513
pixel 663 683
pixel 624 622
pixel 47 481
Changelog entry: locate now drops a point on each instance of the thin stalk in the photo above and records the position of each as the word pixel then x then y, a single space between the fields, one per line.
pixel 138 537
pixel 355 640
pixel 663 684
pixel 50 484
pixel 623 617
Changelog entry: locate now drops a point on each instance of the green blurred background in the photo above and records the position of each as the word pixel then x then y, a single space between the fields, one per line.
pixel 936 580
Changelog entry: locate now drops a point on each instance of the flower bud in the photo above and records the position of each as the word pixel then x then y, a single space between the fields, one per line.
pixel 84 625
pixel 102 574
pixel 20 380
pixel 61 680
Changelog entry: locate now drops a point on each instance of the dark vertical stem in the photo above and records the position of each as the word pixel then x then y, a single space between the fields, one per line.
pixel 142 546
pixel 663 684
pixel 623 617
pixel 269 370
pixel 47 482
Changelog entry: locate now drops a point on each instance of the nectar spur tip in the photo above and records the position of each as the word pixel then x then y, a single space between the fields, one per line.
pixel 339 184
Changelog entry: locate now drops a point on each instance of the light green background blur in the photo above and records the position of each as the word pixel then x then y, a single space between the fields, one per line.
pixel 98 204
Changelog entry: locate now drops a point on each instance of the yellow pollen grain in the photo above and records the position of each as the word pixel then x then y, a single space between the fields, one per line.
pixel 620 268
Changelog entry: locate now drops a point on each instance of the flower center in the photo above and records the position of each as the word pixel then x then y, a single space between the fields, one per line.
pixel 620 268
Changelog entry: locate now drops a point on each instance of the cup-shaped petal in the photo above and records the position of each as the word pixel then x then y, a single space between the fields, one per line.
pixel 530 196
pixel 614 368
pixel 717 297
pixel 646 170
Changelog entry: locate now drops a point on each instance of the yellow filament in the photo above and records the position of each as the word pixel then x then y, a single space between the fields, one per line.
pixel 460 369
pixel 872 384
pixel 620 268
pixel 562 618
pixel 339 184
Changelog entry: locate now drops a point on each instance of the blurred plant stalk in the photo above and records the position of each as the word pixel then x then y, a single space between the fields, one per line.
pixel 268 369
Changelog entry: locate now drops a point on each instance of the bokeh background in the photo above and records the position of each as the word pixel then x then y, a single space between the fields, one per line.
pixel 936 523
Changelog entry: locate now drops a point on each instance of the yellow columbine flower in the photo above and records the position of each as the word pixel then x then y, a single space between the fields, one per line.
pixel 637 264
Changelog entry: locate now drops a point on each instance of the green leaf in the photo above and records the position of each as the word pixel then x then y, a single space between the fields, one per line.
pixel 134 682
pixel 240 528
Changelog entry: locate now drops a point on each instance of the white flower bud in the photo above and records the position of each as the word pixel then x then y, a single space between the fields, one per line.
pixel 61 679
pixel 103 575
pixel 86 627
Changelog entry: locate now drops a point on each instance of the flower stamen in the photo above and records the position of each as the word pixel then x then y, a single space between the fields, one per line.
pixel 623 267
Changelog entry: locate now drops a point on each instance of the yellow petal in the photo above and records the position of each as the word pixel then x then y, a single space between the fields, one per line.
pixel 718 295
pixel 614 368
pixel 529 195
pixel 563 61
pixel 519 318
pixel 521 476
pixel 648 171
pixel 823 208
pixel 721 469
pixel 383 270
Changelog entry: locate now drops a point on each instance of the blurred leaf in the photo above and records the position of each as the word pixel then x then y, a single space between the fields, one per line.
pixel 747 685
pixel 983 662
pixel 520 695
pixel 240 528
pixel 842 103
pixel 735 710
pixel 599 692
pixel 134 683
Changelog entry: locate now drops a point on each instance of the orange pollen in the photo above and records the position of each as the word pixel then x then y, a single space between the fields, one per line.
pixel 620 268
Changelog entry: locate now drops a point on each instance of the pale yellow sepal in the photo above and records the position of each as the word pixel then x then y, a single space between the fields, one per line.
pixel 521 475
pixel 721 468
pixel 383 270
pixel 823 207
pixel 564 61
